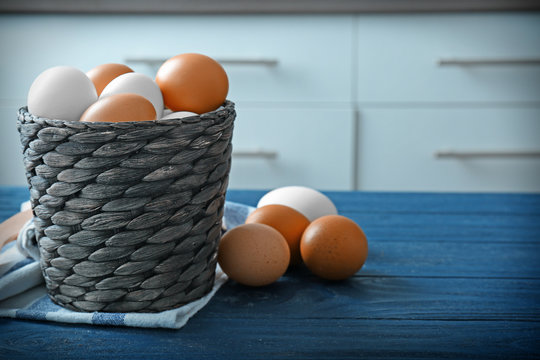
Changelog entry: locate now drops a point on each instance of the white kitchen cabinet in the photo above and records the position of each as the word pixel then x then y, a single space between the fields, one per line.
pixel 480 112
pixel 486 57
pixel 286 74
pixel 450 149
pixel 280 147
pixel 299 80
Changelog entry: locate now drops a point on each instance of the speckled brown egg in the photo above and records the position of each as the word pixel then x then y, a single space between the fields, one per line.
pixel 253 254
pixel 289 222
pixel 334 247
pixel 192 82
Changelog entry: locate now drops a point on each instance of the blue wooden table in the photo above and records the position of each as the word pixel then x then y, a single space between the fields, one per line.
pixel 448 276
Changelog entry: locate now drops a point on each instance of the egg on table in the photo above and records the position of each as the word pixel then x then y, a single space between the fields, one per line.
pixel 103 74
pixel 253 254
pixel 309 202
pixel 120 108
pixel 289 222
pixel 61 92
pixel 137 84
pixel 192 82
pixel 334 247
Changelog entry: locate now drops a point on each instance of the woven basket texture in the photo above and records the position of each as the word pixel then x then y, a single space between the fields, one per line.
pixel 128 215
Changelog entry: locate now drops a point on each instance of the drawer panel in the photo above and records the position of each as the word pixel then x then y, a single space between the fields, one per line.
pixel 11 159
pixel 398 57
pixel 313 53
pixel 312 147
pixel 398 149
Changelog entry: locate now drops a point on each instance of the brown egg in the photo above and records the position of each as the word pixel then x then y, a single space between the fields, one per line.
pixel 253 254
pixel 289 222
pixel 120 108
pixel 192 82
pixel 103 74
pixel 334 247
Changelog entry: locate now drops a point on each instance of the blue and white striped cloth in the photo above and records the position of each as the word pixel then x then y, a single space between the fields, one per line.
pixel 23 294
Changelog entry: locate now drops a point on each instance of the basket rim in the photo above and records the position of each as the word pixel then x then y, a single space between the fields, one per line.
pixel 227 107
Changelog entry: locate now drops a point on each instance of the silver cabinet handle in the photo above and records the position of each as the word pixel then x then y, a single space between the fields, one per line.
pixel 460 154
pixel 268 62
pixel 487 62
pixel 256 153
pixel 249 61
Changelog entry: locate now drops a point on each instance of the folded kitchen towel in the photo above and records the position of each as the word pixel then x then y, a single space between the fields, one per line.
pixel 23 295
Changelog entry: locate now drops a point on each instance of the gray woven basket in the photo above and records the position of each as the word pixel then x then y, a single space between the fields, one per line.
pixel 128 215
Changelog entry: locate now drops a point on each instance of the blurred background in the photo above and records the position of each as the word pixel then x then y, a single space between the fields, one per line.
pixel 344 95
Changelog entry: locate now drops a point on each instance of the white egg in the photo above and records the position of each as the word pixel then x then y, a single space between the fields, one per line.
pixel 139 84
pixel 310 202
pixel 166 112
pixel 61 92
pixel 178 115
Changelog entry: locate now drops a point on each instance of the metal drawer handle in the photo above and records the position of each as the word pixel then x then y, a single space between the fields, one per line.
pixel 460 154
pixel 487 62
pixel 223 61
pixel 257 153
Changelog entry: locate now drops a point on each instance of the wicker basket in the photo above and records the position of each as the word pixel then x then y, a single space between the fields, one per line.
pixel 128 215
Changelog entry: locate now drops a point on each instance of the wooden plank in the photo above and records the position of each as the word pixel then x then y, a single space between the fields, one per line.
pixel 439 228
pixel 407 257
pixel 446 203
pixel 435 221
pixel 380 297
pixel 448 232
pixel 227 338
pixel 406 202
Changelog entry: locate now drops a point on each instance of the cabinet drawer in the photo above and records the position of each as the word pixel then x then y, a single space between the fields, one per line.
pixel 398 149
pixel 277 147
pixel 313 54
pixel 11 158
pixel 398 58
